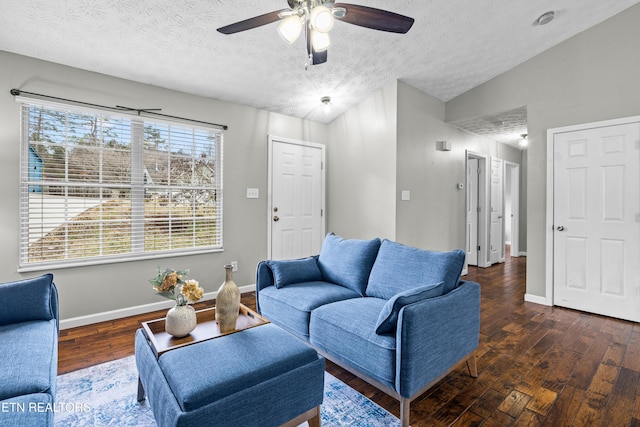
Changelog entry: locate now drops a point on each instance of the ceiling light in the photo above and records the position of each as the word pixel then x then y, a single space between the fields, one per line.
pixel 523 141
pixel 290 28
pixel 321 19
pixel 326 104
pixel 320 41
pixel 546 17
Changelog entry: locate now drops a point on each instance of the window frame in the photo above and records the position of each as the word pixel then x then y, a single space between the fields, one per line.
pixel 138 186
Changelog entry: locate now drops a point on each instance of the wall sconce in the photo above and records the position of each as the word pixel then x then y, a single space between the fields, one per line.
pixel 443 145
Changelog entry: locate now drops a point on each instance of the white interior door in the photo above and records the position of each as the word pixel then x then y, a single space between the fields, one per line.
pixel 496 249
pixel 472 211
pixel 596 220
pixel 296 202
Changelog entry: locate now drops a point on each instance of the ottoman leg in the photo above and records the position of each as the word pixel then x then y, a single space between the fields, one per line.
pixel 141 393
pixel 312 416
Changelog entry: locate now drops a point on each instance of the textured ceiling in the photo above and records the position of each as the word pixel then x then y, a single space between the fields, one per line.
pixel 453 46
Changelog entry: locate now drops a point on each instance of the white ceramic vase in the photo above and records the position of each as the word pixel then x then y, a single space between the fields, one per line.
pixel 180 321
pixel 228 302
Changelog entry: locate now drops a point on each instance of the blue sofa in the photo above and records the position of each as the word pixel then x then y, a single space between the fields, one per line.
pixel 397 316
pixel 28 351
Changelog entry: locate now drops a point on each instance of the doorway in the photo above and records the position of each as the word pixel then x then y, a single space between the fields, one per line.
pixel 476 211
pixel 512 208
pixel 296 199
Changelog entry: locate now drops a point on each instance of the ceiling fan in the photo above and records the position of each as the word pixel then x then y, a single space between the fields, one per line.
pixel 316 17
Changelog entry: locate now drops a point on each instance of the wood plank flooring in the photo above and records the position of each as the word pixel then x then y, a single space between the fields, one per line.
pixel 537 365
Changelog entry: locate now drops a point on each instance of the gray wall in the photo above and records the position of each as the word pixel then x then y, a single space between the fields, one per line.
pixel 97 289
pixel 590 77
pixel 387 144
pixel 361 168
pixel 434 218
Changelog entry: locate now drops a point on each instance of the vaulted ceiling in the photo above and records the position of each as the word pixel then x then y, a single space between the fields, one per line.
pixel 453 46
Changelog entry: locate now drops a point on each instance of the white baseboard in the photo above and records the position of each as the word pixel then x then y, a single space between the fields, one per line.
pixel 536 299
pixel 74 322
pixel 522 253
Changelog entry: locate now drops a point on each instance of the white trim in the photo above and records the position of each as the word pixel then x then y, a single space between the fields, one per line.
pixel 106 316
pixel 270 142
pixel 522 253
pixel 537 299
pixel 550 187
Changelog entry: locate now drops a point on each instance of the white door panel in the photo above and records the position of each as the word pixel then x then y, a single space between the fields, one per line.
pixel 296 205
pixel 596 202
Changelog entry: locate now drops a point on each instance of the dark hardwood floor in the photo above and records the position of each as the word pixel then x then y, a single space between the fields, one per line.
pixel 537 365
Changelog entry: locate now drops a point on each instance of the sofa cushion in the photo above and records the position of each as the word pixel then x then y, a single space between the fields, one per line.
pixel 345 330
pixel 399 267
pixel 291 306
pixel 347 262
pixel 388 317
pixel 26 300
pixel 294 271
pixel 29 355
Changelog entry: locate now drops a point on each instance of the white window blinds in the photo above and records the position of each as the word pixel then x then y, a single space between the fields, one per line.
pixel 101 187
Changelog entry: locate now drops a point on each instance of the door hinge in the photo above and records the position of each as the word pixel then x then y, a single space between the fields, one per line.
pixel 478 171
pixel 321 165
pixel 478 209
pixel 478 247
pixel 321 212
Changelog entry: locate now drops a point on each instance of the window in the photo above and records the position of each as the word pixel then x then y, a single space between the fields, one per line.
pixel 101 187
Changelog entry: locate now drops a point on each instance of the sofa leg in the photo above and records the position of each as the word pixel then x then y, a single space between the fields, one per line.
pixel 405 411
pixel 472 365
pixel 141 393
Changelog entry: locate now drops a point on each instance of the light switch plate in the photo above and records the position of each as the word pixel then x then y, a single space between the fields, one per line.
pixel 406 195
pixel 253 193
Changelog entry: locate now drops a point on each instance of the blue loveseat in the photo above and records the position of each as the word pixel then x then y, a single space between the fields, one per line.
pixel 28 351
pixel 397 316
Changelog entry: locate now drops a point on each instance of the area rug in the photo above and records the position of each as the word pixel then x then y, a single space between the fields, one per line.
pixel 105 395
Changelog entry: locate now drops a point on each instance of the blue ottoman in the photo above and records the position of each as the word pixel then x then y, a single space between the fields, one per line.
pixel 261 376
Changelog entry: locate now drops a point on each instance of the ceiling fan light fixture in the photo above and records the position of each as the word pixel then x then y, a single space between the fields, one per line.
pixel 320 41
pixel 321 19
pixel 290 28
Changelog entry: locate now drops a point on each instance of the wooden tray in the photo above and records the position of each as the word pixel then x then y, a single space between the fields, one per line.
pixel 206 329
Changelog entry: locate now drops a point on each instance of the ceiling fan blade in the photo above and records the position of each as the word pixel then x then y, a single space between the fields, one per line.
pixel 248 24
pixel 376 19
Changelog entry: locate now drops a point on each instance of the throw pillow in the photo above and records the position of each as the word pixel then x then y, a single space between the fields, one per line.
pixel 399 267
pixel 347 262
pixel 294 271
pixel 388 317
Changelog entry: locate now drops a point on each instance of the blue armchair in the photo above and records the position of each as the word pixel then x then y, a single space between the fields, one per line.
pixel 28 351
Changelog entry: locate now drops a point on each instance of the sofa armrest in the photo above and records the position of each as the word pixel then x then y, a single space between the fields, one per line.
pixel 28 300
pixel 434 335
pixel 264 278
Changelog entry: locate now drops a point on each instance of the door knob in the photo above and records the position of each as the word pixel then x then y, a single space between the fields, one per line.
pixel 276 218
pixel 560 228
